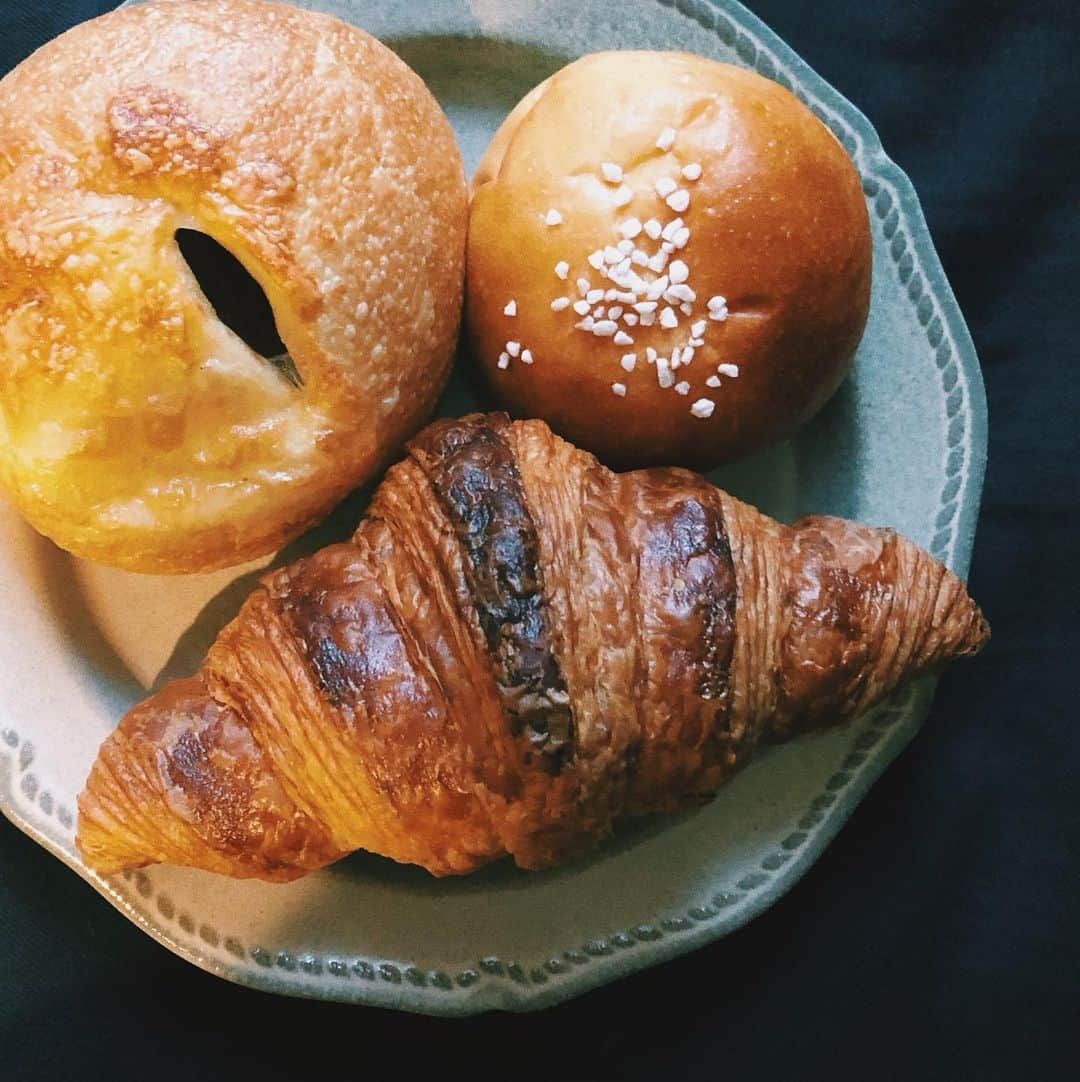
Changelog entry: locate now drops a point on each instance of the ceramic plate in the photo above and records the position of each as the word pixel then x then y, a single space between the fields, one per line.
pixel 902 444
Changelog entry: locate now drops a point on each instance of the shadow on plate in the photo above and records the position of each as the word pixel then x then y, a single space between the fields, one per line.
pixel 830 452
pixel 503 875
pixel 118 686
pixel 477 73
pixel 191 647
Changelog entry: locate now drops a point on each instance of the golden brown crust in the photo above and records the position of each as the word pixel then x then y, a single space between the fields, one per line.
pixel 136 429
pixel 778 226
pixel 688 594
pixel 201 790
pixel 424 568
pixel 369 696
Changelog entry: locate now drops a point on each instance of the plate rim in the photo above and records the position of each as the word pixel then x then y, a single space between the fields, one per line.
pixel 499 984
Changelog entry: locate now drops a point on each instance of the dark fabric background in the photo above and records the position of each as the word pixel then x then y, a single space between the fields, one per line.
pixel 937 937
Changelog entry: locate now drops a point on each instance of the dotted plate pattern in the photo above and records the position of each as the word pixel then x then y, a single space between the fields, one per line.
pixel 134 892
pixel 492 982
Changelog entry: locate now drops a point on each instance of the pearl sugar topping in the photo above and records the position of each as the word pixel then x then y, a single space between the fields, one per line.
pixel 643 288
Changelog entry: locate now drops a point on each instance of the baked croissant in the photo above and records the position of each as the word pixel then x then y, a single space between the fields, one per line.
pixel 517 647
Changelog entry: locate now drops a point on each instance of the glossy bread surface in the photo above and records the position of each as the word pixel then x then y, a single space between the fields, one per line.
pixel 775 226
pixel 518 648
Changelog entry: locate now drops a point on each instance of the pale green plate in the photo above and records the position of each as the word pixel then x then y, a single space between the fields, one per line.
pixel 902 444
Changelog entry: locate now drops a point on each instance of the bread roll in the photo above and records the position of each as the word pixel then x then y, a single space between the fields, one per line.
pixel 766 273
pixel 135 428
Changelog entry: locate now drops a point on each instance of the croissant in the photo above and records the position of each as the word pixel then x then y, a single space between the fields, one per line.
pixel 516 648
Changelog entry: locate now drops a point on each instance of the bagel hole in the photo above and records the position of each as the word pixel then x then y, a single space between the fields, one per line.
pixel 237 299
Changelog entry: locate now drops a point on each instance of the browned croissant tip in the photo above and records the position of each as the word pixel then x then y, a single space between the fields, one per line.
pixel 182 776
pixel 971 629
pixel 978 634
